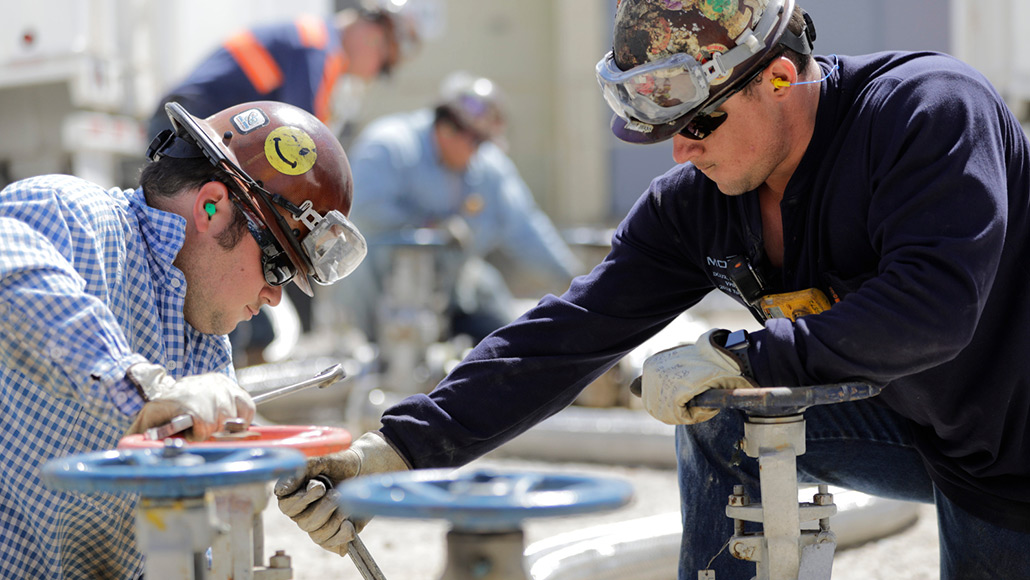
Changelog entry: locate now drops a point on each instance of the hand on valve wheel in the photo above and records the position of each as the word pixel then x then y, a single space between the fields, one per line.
pixel 673 377
pixel 210 398
pixel 314 508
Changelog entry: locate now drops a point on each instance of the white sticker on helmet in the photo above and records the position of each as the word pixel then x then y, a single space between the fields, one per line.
pixel 249 120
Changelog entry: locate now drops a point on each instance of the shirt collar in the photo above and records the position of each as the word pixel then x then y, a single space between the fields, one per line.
pixel 162 231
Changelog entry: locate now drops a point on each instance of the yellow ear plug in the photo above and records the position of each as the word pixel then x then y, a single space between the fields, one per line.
pixel 779 83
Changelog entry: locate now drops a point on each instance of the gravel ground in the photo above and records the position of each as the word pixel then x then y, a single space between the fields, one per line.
pixel 415 549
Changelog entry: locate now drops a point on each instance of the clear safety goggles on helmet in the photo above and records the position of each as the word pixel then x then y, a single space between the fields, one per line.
pixel 664 90
pixel 333 247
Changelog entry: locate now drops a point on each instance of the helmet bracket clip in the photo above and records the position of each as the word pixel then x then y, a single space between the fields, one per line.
pixel 309 216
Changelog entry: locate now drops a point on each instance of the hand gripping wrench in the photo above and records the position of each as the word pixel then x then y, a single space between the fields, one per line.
pixel 323 379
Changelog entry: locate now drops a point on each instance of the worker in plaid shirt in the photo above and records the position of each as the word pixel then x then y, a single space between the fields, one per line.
pixel 114 306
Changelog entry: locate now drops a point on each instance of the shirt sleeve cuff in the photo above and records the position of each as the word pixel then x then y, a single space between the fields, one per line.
pixel 110 380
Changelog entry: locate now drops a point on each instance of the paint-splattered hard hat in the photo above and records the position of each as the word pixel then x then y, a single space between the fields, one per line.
pixel 672 59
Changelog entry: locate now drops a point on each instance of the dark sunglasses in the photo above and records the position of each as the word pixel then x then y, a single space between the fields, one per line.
pixel 275 263
pixel 471 134
pixel 701 126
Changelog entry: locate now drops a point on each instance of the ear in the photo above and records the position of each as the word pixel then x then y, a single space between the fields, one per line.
pixel 212 209
pixel 782 74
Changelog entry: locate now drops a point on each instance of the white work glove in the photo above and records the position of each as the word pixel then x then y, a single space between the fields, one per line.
pixel 673 377
pixel 210 398
pixel 315 509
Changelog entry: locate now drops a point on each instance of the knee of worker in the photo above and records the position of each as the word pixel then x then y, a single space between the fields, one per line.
pixel 713 450
pixel 973 548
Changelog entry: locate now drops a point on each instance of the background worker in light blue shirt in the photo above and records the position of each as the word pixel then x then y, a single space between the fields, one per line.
pixel 114 306
pixel 435 168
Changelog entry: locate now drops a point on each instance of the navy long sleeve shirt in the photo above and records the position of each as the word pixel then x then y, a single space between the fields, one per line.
pixel 910 206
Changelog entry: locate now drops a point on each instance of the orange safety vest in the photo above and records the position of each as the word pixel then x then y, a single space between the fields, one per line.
pixel 264 72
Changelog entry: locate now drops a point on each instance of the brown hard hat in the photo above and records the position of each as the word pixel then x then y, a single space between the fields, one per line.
pixel 284 151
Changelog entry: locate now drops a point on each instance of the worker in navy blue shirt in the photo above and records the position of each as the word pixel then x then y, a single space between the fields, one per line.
pixel 297 62
pixel 891 189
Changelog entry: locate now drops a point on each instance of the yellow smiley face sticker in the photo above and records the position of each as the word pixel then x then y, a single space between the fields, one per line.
pixel 290 150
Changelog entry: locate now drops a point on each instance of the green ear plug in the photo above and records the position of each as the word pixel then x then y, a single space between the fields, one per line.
pixel 209 208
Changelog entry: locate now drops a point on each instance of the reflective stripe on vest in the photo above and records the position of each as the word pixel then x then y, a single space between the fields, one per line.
pixel 335 66
pixel 259 66
pixel 312 31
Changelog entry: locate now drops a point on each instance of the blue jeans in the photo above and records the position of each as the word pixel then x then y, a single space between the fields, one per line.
pixel 857 445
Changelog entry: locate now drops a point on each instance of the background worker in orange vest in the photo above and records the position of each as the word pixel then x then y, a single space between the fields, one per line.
pixel 297 62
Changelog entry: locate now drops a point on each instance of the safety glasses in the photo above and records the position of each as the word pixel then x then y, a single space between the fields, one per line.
pixel 472 135
pixel 701 126
pixel 704 124
pixel 706 121
pixel 275 263
pixel 665 90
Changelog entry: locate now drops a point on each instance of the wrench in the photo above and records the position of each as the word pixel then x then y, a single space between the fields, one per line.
pixel 363 560
pixel 323 379
pixel 356 548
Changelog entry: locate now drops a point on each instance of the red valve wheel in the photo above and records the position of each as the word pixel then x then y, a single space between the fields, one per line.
pixel 311 440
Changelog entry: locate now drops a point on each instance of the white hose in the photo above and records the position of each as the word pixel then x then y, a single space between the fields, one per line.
pixel 642 549
pixel 648 548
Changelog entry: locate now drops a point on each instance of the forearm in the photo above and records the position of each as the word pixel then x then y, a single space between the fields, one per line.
pixel 516 378
pixel 68 340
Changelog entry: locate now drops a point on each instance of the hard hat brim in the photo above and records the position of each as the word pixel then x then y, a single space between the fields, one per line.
pixel 621 128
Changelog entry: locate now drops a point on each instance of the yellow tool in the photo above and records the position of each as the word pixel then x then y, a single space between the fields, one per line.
pixel 794 305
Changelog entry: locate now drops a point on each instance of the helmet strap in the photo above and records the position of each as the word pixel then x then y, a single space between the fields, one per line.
pixel 802 43
pixel 305 213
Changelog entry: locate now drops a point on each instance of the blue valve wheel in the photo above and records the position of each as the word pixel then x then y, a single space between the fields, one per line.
pixel 165 473
pixel 483 500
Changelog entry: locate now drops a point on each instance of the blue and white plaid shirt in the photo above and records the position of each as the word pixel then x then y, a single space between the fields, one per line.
pixel 87 288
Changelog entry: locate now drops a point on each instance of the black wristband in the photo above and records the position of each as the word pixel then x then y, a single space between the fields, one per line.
pixel 737 344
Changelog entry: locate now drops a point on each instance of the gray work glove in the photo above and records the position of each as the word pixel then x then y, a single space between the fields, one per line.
pixel 210 398
pixel 673 377
pixel 316 509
